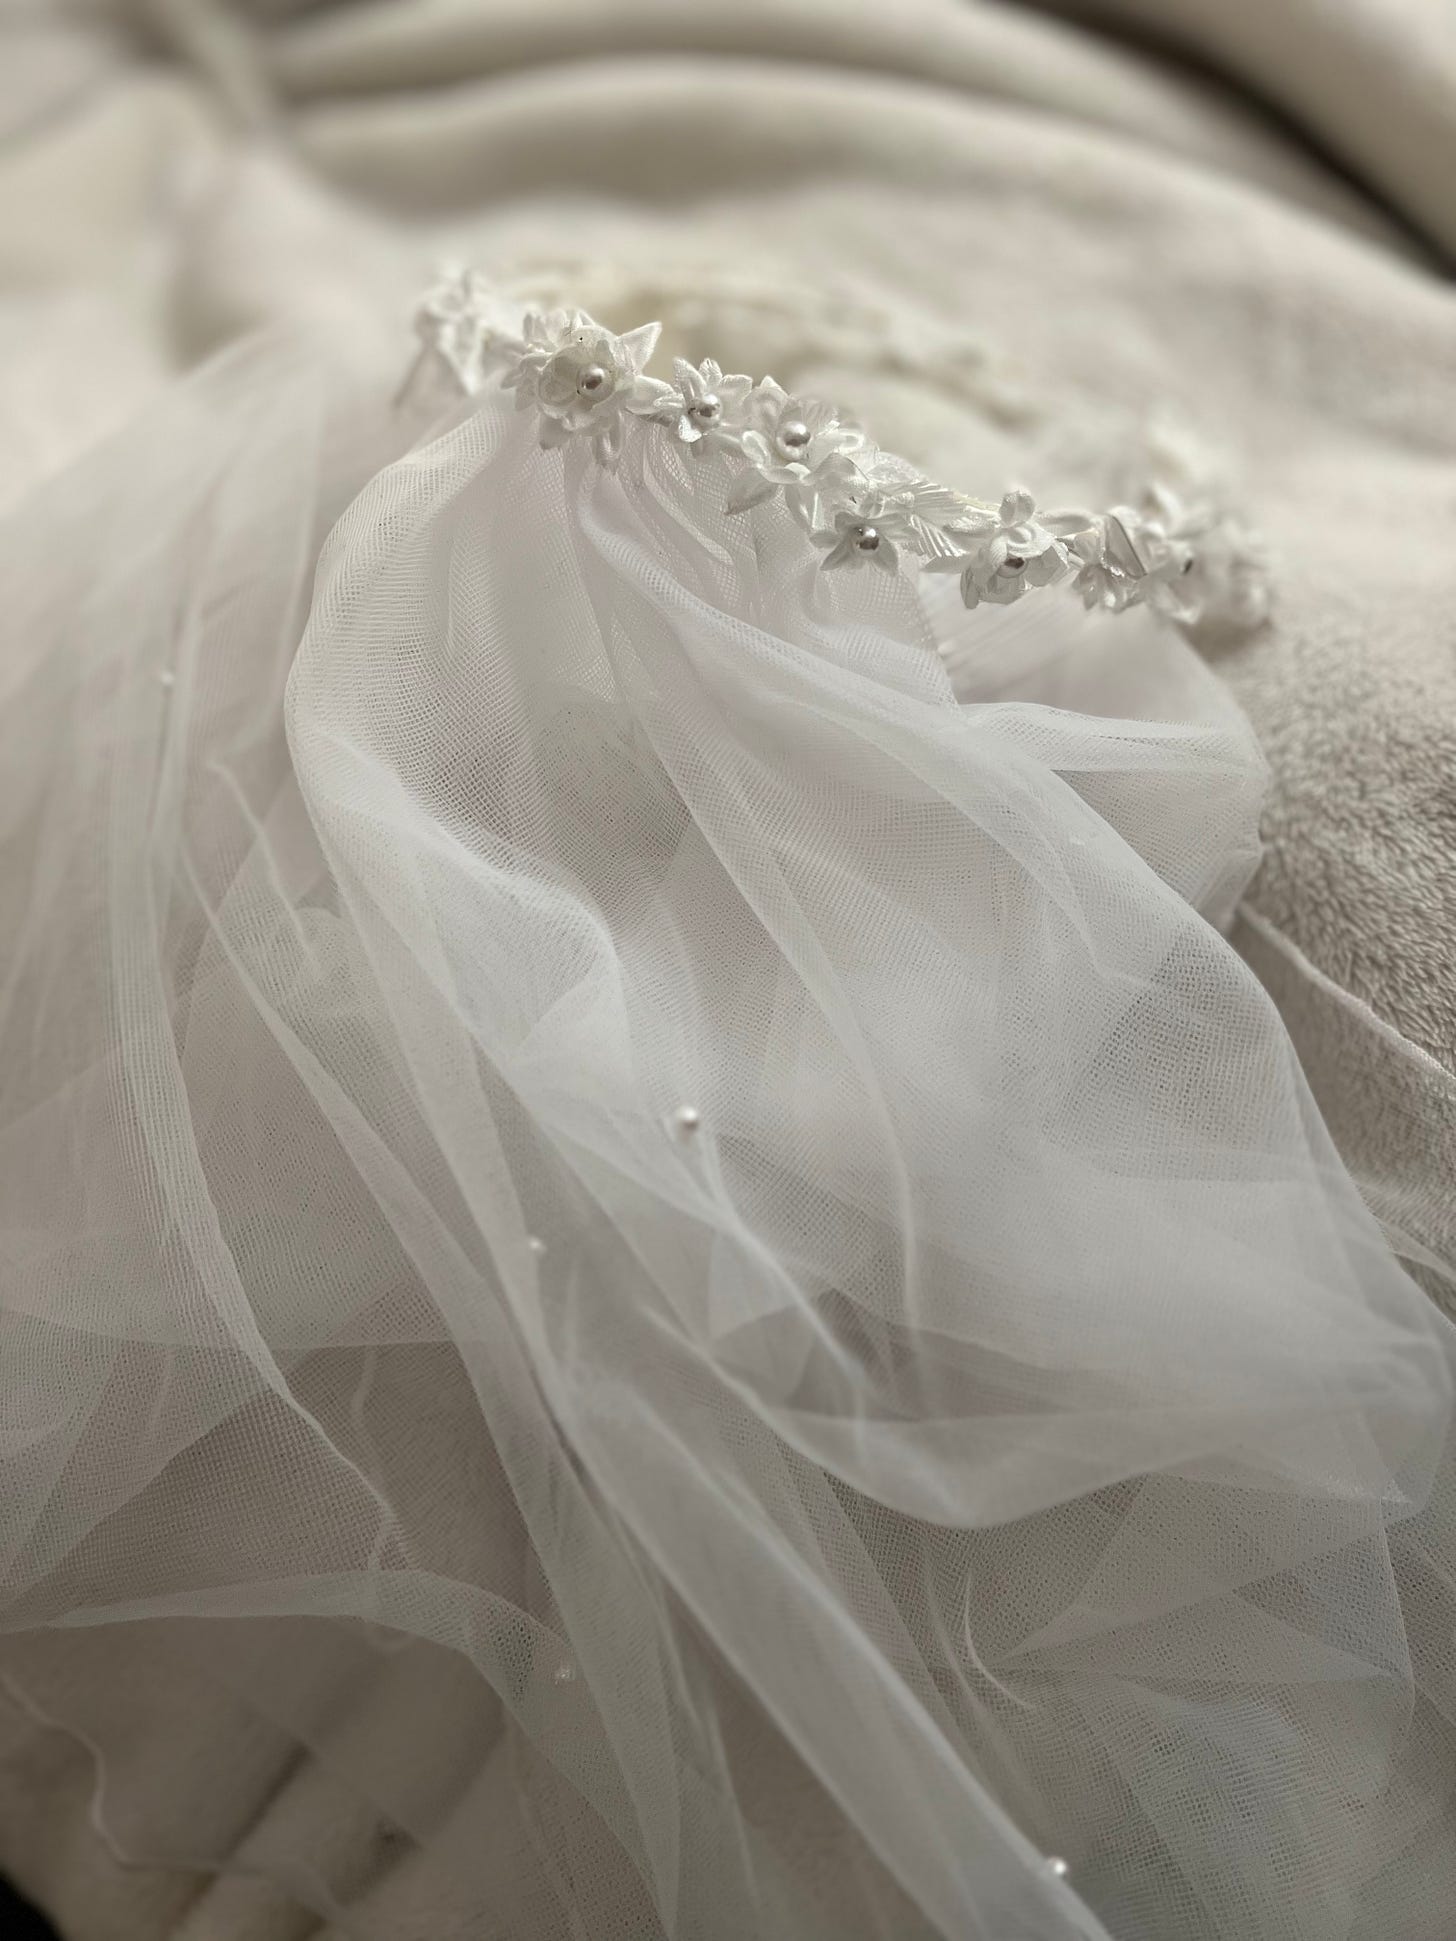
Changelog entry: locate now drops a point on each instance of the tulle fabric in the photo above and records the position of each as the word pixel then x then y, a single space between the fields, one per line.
pixel 999 1430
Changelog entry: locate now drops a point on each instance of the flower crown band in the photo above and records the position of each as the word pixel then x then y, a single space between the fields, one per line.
pixel 1186 554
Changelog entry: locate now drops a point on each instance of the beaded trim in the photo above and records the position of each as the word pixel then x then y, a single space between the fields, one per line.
pixel 1189 556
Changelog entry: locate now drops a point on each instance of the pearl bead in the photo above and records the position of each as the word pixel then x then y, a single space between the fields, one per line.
pixel 686 1121
pixel 591 380
pixel 794 436
pixel 536 1244
pixel 1057 1867
pixel 167 677
pixel 707 410
pixel 868 539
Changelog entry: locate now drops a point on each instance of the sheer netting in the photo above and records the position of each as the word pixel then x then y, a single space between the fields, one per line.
pixel 664 1249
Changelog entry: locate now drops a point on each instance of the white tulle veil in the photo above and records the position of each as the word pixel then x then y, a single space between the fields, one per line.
pixel 993 1427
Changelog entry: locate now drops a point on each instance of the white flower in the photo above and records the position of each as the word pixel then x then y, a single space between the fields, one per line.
pixel 1162 533
pixel 1201 562
pixel 1100 580
pixel 706 407
pixel 1204 562
pixel 800 447
pixel 1012 549
pixel 581 378
pixel 802 431
pixel 459 317
pixel 1232 576
pixel 1145 555
pixel 870 533
pixel 1188 560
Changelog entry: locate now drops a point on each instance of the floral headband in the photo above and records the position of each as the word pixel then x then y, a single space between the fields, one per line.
pixel 1186 555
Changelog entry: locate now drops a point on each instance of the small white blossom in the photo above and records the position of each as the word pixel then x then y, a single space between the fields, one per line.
pixel 870 533
pixel 1102 583
pixel 1147 555
pixel 800 447
pixel 1162 533
pixel 1011 550
pixel 581 378
pixel 1231 577
pixel 460 318
pixel 794 430
pixel 705 409
pixel 1203 562
pixel 1187 560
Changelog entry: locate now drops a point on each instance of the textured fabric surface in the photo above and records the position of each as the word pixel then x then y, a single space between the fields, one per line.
pixel 1097 236
pixel 1371 80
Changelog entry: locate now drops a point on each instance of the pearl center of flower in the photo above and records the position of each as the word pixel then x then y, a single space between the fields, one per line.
pixel 593 381
pixel 867 538
pixel 794 436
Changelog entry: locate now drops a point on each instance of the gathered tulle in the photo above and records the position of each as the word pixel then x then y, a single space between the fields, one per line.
pixel 998 1429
